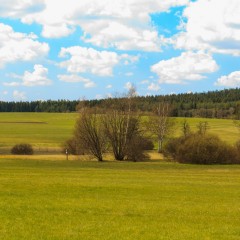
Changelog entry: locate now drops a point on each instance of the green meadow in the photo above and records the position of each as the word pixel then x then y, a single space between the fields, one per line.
pixel 55 199
pixel 45 131
pixel 46 197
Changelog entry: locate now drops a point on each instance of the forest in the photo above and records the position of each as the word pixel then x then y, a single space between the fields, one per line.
pixel 212 104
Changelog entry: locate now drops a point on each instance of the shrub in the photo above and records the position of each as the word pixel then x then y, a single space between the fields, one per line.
pixel 136 148
pixel 73 147
pixel 201 149
pixel 22 149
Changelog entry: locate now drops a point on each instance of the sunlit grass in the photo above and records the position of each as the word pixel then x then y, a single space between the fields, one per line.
pixel 224 128
pixel 57 199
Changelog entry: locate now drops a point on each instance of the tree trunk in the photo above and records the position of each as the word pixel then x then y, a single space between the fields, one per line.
pixel 159 146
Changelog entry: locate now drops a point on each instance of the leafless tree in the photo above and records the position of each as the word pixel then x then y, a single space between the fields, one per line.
pixel 90 134
pixel 122 128
pixel 160 124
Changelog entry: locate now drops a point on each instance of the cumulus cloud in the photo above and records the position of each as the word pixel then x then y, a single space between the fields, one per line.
pixel 231 80
pixel 19 8
pixel 188 66
pixel 99 63
pixel 19 96
pixel 211 25
pixel 107 23
pixel 36 78
pixel 154 87
pixel 75 78
pixel 15 46
pixel 29 79
pixel 12 84
pixel 105 33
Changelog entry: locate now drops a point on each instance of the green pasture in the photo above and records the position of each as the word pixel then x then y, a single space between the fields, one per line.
pixel 224 128
pixel 59 200
pixel 48 131
pixel 42 130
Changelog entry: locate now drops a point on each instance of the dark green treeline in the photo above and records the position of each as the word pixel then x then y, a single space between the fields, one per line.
pixel 214 104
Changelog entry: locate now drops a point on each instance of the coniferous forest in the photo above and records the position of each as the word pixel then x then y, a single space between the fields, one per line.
pixel 213 104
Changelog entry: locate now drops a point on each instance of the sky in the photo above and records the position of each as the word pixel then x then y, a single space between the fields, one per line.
pixel 92 49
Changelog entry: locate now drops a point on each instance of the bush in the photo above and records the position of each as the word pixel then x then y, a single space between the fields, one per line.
pixel 22 149
pixel 73 147
pixel 202 149
pixel 136 149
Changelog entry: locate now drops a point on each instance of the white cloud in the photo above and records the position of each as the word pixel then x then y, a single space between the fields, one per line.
pixel 29 79
pixel 19 8
pixel 128 85
pixel 11 84
pixel 189 66
pixel 5 92
pixel 129 74
pixel 231 80
pixel 211 25
pixel 109 86
pixel 114 34
pixel 15 46
pixel 90 60
pixel 75 78
pixel 124 24
pixel 19 96
pixel 36 78
pixel 72 78
pixel 154 87
pixel 144 81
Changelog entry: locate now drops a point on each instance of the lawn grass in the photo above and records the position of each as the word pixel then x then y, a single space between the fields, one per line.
pixel 56 200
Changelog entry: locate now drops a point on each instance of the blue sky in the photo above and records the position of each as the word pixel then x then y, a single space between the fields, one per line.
pixel 70 49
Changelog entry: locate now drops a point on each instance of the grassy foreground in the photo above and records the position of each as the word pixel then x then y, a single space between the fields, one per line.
pixel 57 199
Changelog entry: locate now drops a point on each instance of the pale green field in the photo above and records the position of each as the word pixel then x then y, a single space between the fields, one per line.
pixel 44 131
pixel 224 128
pixel 59 200
pixel 48 131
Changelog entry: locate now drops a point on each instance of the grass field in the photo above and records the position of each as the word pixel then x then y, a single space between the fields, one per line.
pixel 45 197
pixel 47 131
pixel 56 200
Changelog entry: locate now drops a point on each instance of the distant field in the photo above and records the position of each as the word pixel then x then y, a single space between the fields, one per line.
pixel 224 128
pixel 42 130
pixel 52 199
pixel 47 131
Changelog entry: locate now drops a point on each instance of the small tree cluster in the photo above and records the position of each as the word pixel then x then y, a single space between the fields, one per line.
pixel 22 149
pixel 201 148
pixel 117 130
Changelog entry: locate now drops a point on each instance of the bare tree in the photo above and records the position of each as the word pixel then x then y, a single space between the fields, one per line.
pixel 90 134
pixel 122 128
pixel 160 124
